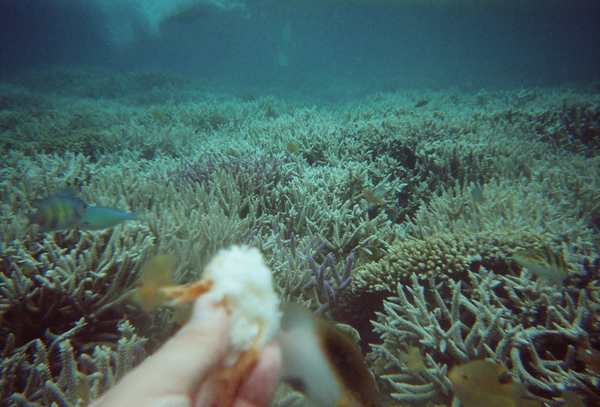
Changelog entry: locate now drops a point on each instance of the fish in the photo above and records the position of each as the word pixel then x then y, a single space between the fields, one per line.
pixel 293 147
pixel 156 287
pixel 322 362
pixel 59 211
pixel 485 383
pixel 421 103
pixel 375 196
pixel 545 264
pixel 65 210
pixel 413 359
pixel 99 217
pixel 156 273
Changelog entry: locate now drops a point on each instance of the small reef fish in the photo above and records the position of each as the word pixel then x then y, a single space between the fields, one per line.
pixel 293 147
pixel 421 103
pixel 324 363
pixel 65 210
pixel 59 211
pixel 484 383
pixel 545 264
pixel 156 287
pixel 98 217
pixel 373 196
pixel 413 359
pixel 156 274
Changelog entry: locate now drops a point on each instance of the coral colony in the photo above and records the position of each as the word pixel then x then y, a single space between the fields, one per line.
pixel 431 245
pixel 460 259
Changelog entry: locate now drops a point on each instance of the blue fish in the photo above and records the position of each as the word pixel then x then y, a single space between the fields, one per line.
pixel 99 217
pixel 59 211
pixel 64 210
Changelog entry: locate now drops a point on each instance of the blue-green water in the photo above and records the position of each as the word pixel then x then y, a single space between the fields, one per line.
pixel 310 45
pixel 424 174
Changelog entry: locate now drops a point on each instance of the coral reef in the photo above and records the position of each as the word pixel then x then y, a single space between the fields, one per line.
pixel 50 371
pixel 50 284
pixel 465 227
pixel 528 326
pixel 329 279
pixel 404 209
pixel 443 256
pixel 62 306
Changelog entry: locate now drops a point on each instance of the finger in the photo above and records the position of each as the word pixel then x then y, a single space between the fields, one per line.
pixel 207 393
pixel 262 383
pixel 180 365
pixel 185 359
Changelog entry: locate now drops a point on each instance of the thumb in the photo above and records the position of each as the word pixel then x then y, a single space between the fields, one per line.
pixel 185 359
pixel 182 363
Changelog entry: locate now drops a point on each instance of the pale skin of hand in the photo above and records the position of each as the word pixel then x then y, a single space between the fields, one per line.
pixel 181 373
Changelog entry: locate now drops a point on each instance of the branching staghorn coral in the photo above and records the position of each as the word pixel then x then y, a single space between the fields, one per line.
pixel 575 126
pixel 472 225
pixel 254 174
pixel 543 207
pixel 288 259
pixel 307 271
pixel 50 371
pixel 322 203
pixel 329 279
pixel 53 282
pixel 470 177
pixel 62 306
pixel 556 328
pixel 435 327
pixel 478 320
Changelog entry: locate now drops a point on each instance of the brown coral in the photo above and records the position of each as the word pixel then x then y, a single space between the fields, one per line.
pixel 442 256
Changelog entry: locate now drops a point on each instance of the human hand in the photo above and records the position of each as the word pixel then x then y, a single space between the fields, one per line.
pixel 182 373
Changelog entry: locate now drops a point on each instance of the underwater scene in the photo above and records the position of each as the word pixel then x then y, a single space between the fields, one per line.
pixel 401 196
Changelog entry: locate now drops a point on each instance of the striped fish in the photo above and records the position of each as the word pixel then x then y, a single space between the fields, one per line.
pixel 66 211
pixel 59 211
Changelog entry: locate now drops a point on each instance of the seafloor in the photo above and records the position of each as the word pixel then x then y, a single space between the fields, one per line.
pixel 395 213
